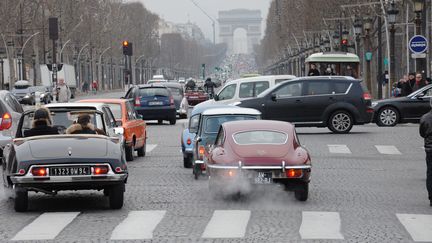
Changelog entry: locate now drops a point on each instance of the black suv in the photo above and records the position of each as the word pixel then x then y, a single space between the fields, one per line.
pixel 329 101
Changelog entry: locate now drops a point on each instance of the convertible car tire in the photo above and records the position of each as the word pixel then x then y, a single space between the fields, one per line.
pixel 116 196
pixel 387 117
pixel 21 200
pixel 302 194
pixel 187 162
pixel 129 153
pixel 142 150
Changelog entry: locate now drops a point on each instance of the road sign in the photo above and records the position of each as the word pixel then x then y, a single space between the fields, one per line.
pixel 418 55
pixel 368 56
pixel 418 44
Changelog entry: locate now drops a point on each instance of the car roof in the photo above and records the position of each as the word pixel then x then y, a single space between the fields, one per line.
pixel 262 78
pixel 97 106
pixel 115 101
pixel 250 125
pixel 154 85
pixel 346 78
pixel 201 108
pixel 231 111
pixel 172 84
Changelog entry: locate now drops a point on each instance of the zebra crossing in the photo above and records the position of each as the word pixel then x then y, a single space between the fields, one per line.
pixel 223 224
pixel 381 149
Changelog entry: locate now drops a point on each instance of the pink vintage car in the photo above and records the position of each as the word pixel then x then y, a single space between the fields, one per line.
pixel 253 152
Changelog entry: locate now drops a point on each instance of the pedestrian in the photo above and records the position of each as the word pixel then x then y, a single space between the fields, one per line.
pixel 41 124
pixel 95 86
pixel 313 71
pixel 426 133
pixel 420 82
pixel 405 85
pixel 63 92
pixel 85 87
pixel 190 84
pixel 209 86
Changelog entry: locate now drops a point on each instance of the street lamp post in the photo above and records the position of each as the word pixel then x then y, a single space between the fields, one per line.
pixel 367 27
pixel 358 28
pixel 2 72
pixel 418 9
pixel 34 68
pixel 392 12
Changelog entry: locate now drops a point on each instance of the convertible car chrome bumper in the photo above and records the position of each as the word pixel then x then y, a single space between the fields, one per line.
pixel 240 165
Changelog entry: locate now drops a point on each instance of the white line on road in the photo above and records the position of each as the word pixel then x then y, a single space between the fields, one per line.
pixel 339 149
pixel 321 225
pixel 419 226
pixel 227 224
pixel 150 147
pixel 138 225
pixel 387 149
pixel 46 227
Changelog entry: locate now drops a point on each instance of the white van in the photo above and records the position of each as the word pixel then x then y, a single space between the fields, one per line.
pixel 240 89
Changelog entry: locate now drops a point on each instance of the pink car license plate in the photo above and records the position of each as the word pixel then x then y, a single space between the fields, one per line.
pixel 263 178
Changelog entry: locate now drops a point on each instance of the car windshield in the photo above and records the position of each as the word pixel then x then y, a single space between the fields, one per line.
pixel 260 137
pixel 146 92
pixel 175 91
pixel 116 110
pixel 62 119
pixel 212 123
pixel 21 86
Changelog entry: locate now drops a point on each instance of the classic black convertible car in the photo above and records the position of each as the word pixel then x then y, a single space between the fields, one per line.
pixel 53 163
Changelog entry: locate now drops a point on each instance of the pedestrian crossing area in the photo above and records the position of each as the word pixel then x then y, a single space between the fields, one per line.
pixel 380 149
pixel 222 224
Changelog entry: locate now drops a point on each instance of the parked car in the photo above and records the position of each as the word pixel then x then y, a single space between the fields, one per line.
pixel 10 114
pixel 258 152
pixel 334 102
pixel 53 163
pixel 390 112
pixel 153 102
pixel 23 92
pixel 135 128
pixel 240 89
pixel 208 127
pixel 180 100
pixel 196 96
pixel 188 134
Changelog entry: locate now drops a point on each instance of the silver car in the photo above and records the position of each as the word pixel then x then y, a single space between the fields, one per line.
pixel 10 114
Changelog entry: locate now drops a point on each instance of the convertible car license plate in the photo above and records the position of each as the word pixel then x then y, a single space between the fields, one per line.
pixel 263 178
pixel 155 103
pixel 70 171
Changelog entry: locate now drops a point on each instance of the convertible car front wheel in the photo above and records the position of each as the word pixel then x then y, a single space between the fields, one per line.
pixel 116 196
pixel 21 200
pixel 302 193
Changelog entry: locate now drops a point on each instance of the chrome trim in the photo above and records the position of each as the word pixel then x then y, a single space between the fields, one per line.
pixel 283 166
pixel 29 175
pixel 260 167
pixel 199 162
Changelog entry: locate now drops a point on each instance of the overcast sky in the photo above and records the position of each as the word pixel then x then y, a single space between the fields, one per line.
pixel 180 11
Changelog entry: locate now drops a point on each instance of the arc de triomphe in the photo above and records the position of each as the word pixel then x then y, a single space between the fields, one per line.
pixel 249 20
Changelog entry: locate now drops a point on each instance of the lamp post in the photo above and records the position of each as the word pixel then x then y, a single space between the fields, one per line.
pixel 392 13
pixel 367 27
pixel 418 9
pixel 2 71
pixel 358 29
pixel 34 68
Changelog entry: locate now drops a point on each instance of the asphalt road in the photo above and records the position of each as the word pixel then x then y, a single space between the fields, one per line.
pixel 367 186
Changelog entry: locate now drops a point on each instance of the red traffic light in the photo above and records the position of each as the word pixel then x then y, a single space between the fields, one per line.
pixel 344 42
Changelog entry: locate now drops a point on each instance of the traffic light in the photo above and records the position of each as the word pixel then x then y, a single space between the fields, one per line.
pixel 127 48
pixel 344 42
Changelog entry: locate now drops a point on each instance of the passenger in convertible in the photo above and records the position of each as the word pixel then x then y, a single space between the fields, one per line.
pixel 82 126
pixel 41 124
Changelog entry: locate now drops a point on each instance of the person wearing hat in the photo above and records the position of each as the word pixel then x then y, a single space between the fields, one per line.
pixel 425 130
pixel 82 126
pixel 41 124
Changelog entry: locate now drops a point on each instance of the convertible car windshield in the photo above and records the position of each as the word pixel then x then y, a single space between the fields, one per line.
pixel 62 119
pixel 212 124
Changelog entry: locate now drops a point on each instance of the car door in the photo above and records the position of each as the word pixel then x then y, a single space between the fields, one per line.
pixel 135 125
pixel 227 95
pixel 319 95
pixel 418 105
pixel 285 102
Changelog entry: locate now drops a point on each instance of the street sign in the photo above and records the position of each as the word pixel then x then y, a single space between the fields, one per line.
pixel 418 55
pixel 368 56
pixel 418 44
pixel 386 61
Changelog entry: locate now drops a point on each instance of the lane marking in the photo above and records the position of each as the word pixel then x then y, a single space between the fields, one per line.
pixel 227 224
pixel 339 149
pixel 321 225
pixel 419 226
pixel 387 149
pixel 46 227
pixel 150 147
pixel 138 225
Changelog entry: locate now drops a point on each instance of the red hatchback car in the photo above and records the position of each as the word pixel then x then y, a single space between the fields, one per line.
pixel 196 96
pixel 255 152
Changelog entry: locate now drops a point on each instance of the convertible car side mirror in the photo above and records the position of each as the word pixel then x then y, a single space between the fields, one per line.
pixel 273 97
pixel 198 139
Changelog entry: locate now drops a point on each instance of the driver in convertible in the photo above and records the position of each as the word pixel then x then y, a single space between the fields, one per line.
pixel 82 126
pixel 41 124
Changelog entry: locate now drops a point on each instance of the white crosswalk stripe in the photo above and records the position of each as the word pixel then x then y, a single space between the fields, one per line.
pixel 321 225
pixel 388 149
pixel 46 227
pixel 150 147
pixel 138 225
pixel 419 226
pixel 339 149
pixel 227 224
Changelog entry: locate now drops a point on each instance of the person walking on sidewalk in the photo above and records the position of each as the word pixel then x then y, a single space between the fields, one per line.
pixel 63 91
pixel 426 133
